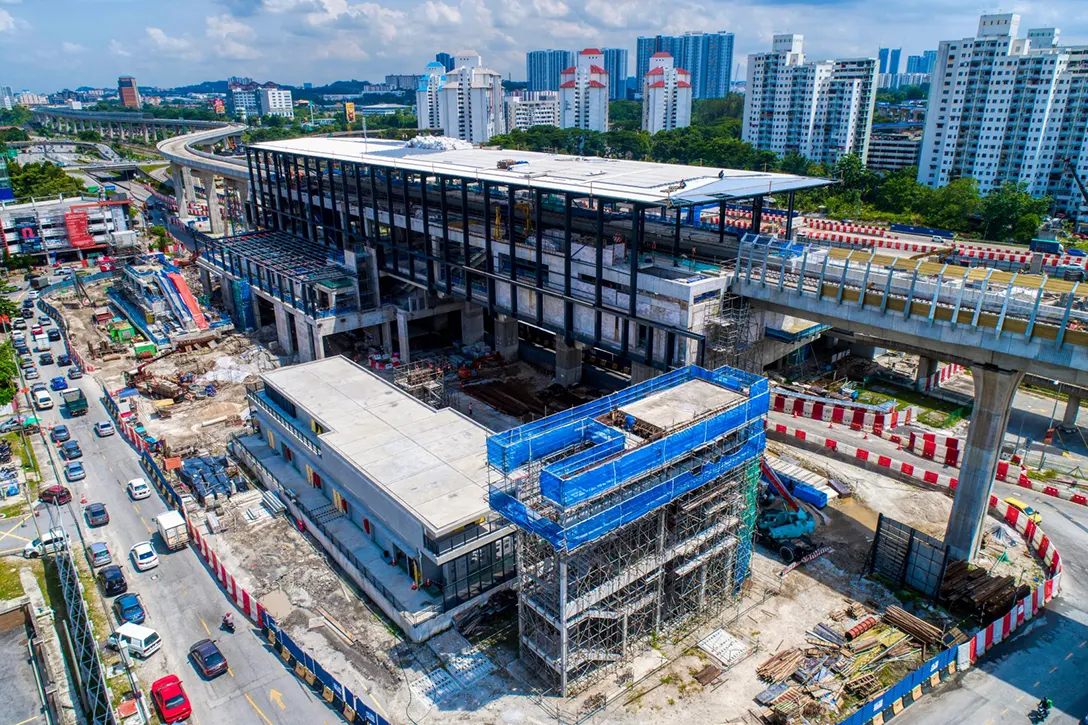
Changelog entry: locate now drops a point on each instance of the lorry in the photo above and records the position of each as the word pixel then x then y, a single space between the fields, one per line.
pixel 1047 246
pixel 75 402
pixel 172 530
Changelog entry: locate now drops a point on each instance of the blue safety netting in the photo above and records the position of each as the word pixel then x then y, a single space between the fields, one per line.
pixel 514 448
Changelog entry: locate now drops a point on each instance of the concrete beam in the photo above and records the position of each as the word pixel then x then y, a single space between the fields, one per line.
pixel 994 391
pixel 568 362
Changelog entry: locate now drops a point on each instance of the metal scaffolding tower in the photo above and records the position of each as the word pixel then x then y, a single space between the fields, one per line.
pixel 635 516
pixel 425 380
pixel 728 334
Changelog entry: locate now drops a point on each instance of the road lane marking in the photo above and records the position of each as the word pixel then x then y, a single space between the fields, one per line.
pixel 230 671
pixel 1004 711
pixel 1036 684
pixel 277 697
pixel 1068 655
pixel 147 525
pixel 1053 669
pixel 1020 698
pixel 205 625
pixel 257 709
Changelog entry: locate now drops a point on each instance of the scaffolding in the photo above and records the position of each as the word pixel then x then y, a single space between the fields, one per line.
pixel 425 380
pixel 635 515
pixel 727 330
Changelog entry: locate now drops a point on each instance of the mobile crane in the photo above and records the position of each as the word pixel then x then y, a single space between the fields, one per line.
pixel 785 529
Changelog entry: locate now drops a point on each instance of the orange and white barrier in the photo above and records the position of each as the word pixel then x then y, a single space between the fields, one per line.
pixel 245 602
pixel 943 375
pixel 836 411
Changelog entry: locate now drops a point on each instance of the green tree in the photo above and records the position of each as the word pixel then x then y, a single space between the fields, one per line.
pixel 712 111
pixel 1003 207
pixel 41 179
pixel 18 116
pixel 627 144
pixel 9 373
pixel 625 115
pixel 1026 228
pixel 89 136
pixel 900 193
pixel 953 206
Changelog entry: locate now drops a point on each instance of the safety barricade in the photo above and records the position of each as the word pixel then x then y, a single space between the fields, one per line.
pixel 943 376
pixel 831 410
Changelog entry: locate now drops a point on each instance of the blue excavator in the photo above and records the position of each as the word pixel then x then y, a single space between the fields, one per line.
pixel 784 528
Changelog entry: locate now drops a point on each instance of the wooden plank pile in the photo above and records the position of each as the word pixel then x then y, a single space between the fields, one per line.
pixel 976 591
pixel 780 666
pixel 907 622
pixel 863 685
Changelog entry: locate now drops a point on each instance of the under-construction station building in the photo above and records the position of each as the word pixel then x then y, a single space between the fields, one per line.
pixel 393 242
pixel 635 516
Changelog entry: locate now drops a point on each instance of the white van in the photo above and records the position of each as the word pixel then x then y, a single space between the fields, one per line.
pixel 43 400
pixel 141 641
pixel 51 542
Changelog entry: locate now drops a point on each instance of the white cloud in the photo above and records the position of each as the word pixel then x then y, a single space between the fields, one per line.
pixel 117 48
pixel 7 23
pixel 171 47
pixel 551 8
pixel 223 26
pixel 439 13
pixel 68 47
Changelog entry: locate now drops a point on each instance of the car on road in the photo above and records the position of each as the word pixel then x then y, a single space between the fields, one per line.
pixel 144 556
pixel 45 320
pixel 103 428
pixel 97 515
pixel 64 360
pixel 58 383
pixel 100 554
pixel 74 373
pixel 56 494
pixel 22 348
pixel 129 608
pixel 112 580
pixel 31 374
pixel 36 330
pixel 38 386
pixel 53 334
pixel 139 488
pixel 1025 509
pixel 46 358
pixel 71 450
pixel 207 658
pixel 74 471
pixel 19 324
pixel 61 434
pixel 170 699
pixel 26 363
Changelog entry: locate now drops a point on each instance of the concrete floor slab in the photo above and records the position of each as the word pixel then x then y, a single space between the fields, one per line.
pixel 682 404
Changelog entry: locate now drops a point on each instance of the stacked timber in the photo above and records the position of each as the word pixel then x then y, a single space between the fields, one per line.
pixel 780 666
pixel 975 590
pixel 907 622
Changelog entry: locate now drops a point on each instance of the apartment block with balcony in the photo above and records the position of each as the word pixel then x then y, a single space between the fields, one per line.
pixel 394 490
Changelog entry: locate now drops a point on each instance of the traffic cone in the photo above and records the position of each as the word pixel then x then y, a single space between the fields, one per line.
pixel 83 499
pixel 830 426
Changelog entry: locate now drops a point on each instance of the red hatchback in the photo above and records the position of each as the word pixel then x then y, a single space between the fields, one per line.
pixel 170 699
pixel 56 494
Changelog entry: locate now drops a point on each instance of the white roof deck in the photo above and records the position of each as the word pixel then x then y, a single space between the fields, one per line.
pixel 634 181
pixel 433 462
pixel 682 404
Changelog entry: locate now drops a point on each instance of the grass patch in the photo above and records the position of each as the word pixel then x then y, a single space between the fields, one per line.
pixel 10 585
pixel 934 412
pixel 1046 474
pixel 15 510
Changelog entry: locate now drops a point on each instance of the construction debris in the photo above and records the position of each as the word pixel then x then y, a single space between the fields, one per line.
pixel 921 631
pixel 780 666
pixel 973 589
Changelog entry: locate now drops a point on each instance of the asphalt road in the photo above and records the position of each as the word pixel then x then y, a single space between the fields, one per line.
pixel 184 604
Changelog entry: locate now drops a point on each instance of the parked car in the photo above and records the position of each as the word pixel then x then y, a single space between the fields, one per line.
pixel 103 428
pixel 144 556
pixel 138 489
pixel 207 658
pixel 61 434
pixel 97 515
pixel 100 554
pixel 19 323
pixel 112 581
pixel 46 358
pixel 139 641
pixel 31 374
pixel 58 383
pixel 45 320
pixel 71 450
pixel 73 471
pixel 56 494
pixel 51 542
pixel 26 363
pixel 64 360
pixel 170 699
pixel 53 334
pixel 38 386
pixel 74 373
pixel 129 608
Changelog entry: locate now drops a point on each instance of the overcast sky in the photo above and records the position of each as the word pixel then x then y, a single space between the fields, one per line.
pixel 46 45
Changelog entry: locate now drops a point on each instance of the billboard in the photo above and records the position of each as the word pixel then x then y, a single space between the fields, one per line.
pixel 219 106
pixel 349 111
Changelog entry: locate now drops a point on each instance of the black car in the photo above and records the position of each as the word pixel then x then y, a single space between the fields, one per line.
pixel 46 358
pixel 53 334
pixel 63 360
pixel 71 451
pixel 112 581
pixel 97 515
pixel 207 658
pixel 61 434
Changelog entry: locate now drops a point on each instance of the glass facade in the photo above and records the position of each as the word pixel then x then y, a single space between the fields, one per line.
pixel 477 571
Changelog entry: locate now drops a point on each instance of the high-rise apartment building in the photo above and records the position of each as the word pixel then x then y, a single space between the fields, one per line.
pixel 708 56
pixel 544 67
pixel 427 90
pixel 889 60
pixel 1003 108
pixel 7 98
pixel 470 100
pixel 402 81
pixel 445 59
pixel 666 95
pixel 615 62
pixel 583 94
pixel 128 92
pixel 540 108
pixel 242 97
pixel 921 63
pixel 275 102
pixel 822 110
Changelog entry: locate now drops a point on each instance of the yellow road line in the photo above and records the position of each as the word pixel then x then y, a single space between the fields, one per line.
pixel 1036 684
pixel 147 525
pixel 230 671
pixel 29 719
pixel 257 709
pixel 1069 655
pixel 205 625
pixel 1054 669
pixel 9 551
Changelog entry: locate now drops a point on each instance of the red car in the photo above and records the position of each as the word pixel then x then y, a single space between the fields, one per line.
pixel 170 699
pixel 57 495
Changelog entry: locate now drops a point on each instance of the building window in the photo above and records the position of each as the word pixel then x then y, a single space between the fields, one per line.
pixel 478 571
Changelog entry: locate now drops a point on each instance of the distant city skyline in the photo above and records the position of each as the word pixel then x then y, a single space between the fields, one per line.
pixel 68 43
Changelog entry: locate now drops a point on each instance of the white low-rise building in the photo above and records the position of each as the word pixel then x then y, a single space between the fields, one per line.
pixel 523 113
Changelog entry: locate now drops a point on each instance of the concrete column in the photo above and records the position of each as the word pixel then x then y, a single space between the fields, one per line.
pixel 206 281
pixel 190 190
pixel 994 391
pixel 926 367
pixel 568 362
pixel 305 339
pixel 227 287
pixel 472 323
pixel 402 336
pixel 641 372
pixel 1072 410
pixel 214 215
pixel 319 343
pixel 283 328
pixel 387 337
pixel 147 134
pixel 506 337
pixel 258 323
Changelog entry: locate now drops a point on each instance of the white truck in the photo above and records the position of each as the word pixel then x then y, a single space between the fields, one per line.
pixel 172 530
